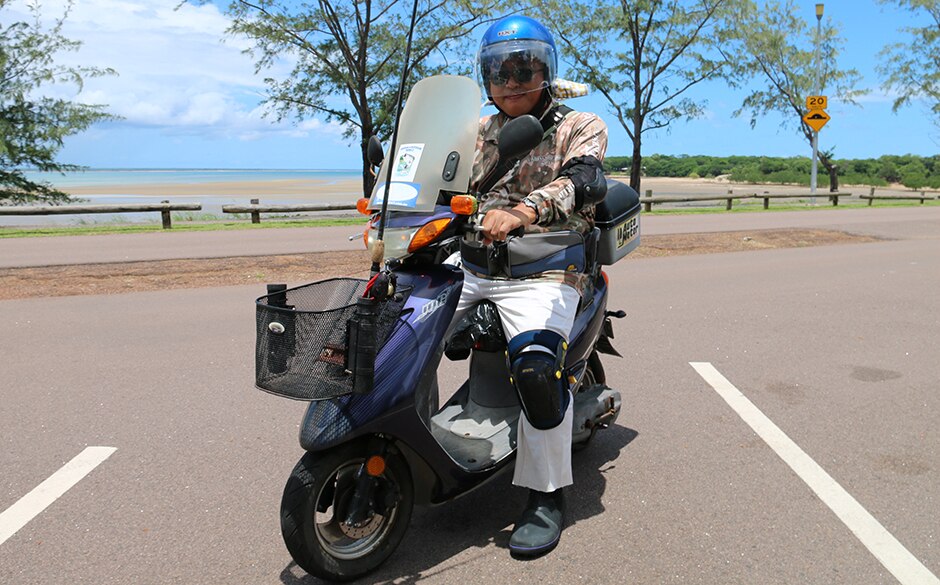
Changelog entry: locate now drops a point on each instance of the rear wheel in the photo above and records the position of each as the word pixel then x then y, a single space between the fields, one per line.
pixel 594 374
pixel 596 369
pixel 316 503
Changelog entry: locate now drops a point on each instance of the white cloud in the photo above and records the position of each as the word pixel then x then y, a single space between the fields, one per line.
pixel 177 68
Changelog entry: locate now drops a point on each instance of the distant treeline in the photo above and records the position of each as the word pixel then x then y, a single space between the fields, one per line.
pixel 914 172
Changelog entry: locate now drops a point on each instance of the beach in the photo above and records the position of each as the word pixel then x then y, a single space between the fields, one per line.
pixel 312 190
pixel 213 189
pixel 295 190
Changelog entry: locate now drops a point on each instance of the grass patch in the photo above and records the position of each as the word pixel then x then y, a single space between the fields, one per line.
pixel 822 204
pixel 182 226
pixel 208 222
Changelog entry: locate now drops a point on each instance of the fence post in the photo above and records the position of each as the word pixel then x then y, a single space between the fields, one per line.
pixel 255 214
pixel 872 198
pixel 922 194
pixel 165 215
pixel 728 205
pixel 648 206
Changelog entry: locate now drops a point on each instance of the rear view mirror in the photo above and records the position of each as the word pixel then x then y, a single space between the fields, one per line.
pixel 518 137
pixel 374 151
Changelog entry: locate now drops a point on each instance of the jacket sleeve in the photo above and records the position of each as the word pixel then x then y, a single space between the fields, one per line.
pixel 581 134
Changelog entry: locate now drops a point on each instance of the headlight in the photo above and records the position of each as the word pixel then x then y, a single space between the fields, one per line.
pixel 396 241
pixel 401 242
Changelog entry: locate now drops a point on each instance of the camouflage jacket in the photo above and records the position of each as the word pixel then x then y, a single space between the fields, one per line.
pixel 534 177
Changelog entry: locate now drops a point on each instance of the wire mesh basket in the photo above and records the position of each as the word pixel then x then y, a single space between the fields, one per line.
pixel 302 345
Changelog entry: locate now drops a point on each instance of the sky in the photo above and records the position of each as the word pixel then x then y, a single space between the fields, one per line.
pixel 190 98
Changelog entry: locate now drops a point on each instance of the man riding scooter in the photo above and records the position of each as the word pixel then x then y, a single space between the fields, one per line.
pixel 551 190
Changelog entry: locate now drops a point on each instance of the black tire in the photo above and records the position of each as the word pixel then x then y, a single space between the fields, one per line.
pixel 596 368
pixel 319 541
pixel 593 375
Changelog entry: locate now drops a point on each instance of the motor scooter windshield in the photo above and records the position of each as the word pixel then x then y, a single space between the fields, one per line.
pixel 436 142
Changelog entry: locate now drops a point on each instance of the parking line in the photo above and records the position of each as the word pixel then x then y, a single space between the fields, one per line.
pixel 881 543
pixel 42 496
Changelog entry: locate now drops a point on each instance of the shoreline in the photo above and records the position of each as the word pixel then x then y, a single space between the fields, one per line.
pixel 289 188
pixel 350 189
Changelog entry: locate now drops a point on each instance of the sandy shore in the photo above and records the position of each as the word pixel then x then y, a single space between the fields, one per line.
pixel 295 189
pixel 298 190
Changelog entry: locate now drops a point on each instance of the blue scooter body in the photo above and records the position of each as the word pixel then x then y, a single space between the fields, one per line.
pixel 404 393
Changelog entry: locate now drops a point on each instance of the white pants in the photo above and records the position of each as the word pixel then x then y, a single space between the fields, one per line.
pixel 543 458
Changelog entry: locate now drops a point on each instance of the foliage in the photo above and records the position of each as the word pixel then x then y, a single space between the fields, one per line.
pixel 348 55
pixel 32 124
pixel 643 56
pixel 912 171
pixel 912 69
pixel 779 47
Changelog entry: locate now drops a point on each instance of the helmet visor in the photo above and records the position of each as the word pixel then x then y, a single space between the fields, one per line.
pixel 520 60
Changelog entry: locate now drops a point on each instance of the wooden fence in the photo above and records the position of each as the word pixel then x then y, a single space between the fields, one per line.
pixel 649 199
pixel 256 209
pixel 164 207
pixel 905 197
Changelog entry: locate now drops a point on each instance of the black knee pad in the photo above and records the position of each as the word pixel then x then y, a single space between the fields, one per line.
pixel 536 360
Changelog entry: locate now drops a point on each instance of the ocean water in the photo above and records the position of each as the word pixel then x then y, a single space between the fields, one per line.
pixel 211 204
pixel 94 177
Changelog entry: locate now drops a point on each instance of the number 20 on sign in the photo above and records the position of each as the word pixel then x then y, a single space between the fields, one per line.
pixel 816 102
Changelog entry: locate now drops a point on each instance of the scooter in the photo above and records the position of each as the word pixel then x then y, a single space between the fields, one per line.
pixel 367 353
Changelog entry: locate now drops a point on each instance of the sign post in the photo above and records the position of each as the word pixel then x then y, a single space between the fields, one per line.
pixel 812 181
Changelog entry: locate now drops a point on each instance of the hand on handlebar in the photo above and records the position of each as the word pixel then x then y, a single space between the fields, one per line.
pixel 498 224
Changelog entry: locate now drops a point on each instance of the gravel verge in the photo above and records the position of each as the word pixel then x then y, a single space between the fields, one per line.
pixel 128 277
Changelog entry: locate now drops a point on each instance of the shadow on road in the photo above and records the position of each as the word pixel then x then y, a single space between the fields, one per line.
pixel 485 517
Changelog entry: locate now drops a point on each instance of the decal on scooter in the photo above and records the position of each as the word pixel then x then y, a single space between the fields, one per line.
pixel 627 232
pixel 433 305
pixel 400 193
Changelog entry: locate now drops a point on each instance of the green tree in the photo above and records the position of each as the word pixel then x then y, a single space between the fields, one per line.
pixel 778 46
pixel 33 125
pixel 644 57
pixel 914 174
pixel 348 55
pixel 912 69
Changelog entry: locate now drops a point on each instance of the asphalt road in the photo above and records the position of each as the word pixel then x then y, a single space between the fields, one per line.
pixel 835 345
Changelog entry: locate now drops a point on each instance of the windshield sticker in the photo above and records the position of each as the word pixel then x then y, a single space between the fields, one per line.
pixel 404 194
pixel 406 163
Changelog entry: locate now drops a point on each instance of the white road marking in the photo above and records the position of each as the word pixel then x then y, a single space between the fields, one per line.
pixel 30 505
pixel 881 543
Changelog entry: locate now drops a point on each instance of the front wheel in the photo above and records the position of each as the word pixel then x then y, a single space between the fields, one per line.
pixel 316 503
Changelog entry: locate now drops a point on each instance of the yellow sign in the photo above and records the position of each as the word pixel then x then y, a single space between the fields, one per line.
pixel 816 119
pixel 816 102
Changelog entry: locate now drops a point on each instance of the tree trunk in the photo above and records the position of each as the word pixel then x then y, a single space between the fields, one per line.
pixel 832 169
pixel 636 165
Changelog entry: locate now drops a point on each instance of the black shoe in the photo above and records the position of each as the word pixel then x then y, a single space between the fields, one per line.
pixel 539 529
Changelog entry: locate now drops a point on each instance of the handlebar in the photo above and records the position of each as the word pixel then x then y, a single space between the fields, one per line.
pixel 469 228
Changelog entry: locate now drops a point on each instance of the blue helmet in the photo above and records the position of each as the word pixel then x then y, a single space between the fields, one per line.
pixel 515 37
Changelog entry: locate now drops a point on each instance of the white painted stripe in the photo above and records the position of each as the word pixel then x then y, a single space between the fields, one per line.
pixel 30 505
pixel 881 543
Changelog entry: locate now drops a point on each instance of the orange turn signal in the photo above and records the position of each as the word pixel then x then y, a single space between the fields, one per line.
pixel 428 233
pixel 463 204
pixel 606 278
pixel 362 206
pixel 375 466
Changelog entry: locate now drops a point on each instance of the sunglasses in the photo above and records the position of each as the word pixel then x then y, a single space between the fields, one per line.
pixel 520 74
